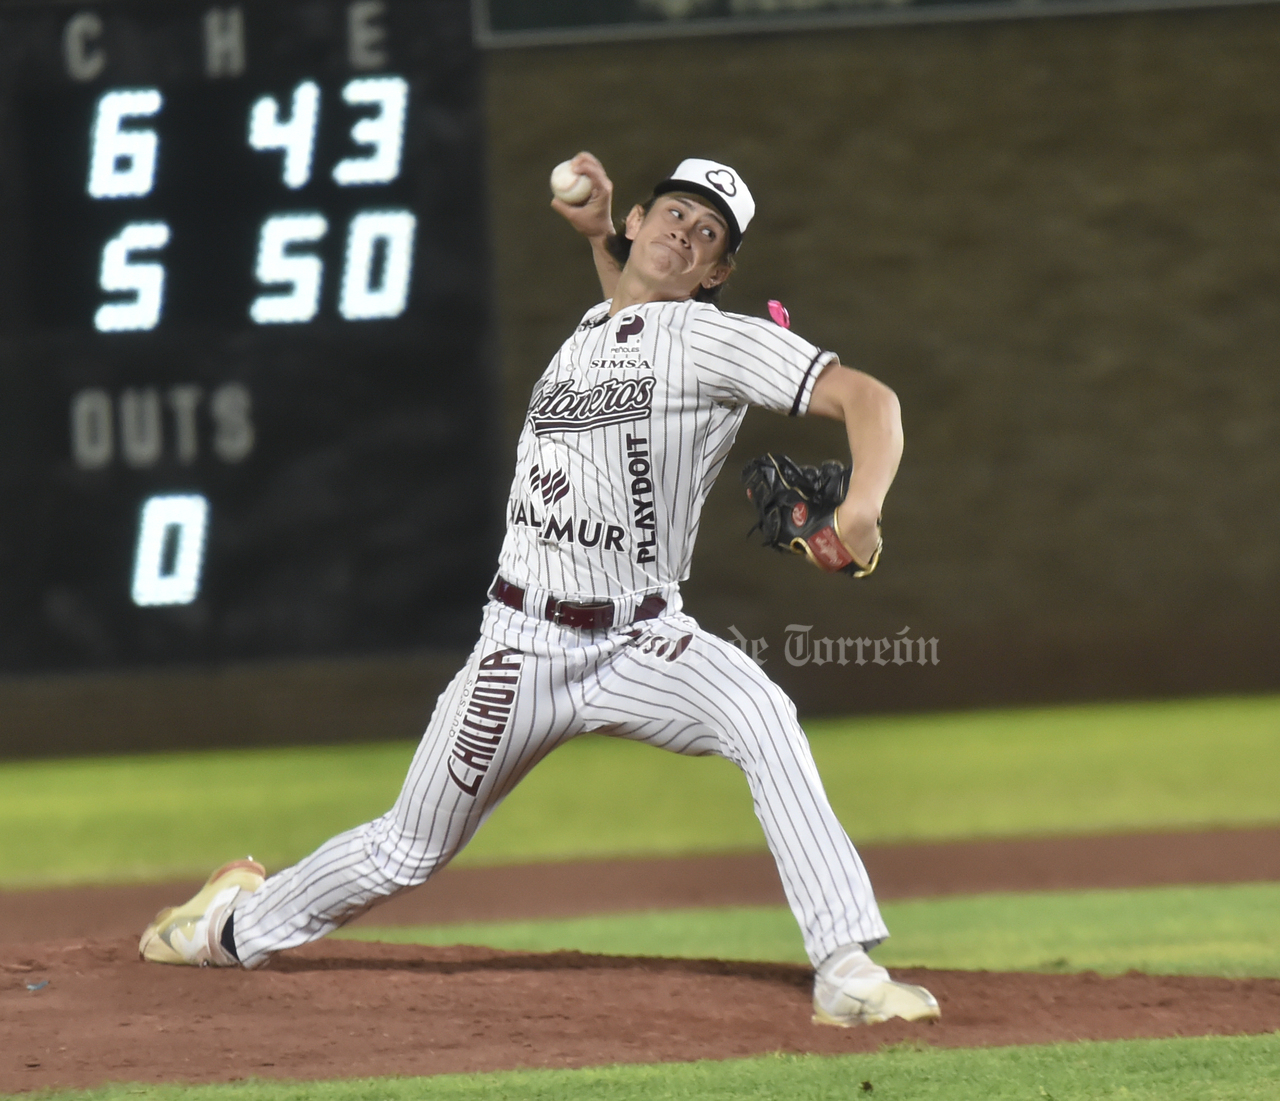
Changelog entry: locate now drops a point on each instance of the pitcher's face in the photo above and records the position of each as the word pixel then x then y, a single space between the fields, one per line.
pixel 680 244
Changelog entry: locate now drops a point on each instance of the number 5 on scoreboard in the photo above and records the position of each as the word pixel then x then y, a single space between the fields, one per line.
pixel 122 273
pixel 282 264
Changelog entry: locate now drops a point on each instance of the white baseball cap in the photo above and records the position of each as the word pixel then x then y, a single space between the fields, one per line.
pixel 721 186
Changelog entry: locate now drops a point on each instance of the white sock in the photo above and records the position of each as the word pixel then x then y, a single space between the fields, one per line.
pixel 851 962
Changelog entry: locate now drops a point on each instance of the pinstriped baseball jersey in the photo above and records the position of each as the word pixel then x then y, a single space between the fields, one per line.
pixel 625 434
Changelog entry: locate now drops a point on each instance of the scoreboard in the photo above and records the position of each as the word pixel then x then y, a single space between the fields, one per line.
pixel 245 383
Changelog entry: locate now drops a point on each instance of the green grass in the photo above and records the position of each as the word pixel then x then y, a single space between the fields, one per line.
pixel 1048 770
pixel 164 815
pixel 1096 768
pixel 1229 931
pixel 1233 1068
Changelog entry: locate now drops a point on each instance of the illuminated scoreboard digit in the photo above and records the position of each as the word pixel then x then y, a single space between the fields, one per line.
pixel 245 392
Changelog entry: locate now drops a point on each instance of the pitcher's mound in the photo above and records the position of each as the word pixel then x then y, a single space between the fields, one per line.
pixel 341 1009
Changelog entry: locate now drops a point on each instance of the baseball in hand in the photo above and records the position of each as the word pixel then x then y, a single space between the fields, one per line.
pixel 568 186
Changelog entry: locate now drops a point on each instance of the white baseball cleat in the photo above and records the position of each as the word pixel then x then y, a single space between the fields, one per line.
pixel 192 933
pixel 849 989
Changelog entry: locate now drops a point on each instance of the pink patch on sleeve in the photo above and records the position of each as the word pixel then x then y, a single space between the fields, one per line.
pixel 779 313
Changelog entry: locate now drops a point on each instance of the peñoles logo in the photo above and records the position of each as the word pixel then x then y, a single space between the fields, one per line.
pixel 631 326
pixel 613 401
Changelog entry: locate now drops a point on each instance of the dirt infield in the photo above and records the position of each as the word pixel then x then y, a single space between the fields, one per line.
pixel 342 1008
pixel 345 1008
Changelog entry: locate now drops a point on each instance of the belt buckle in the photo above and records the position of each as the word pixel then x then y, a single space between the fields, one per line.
pixel 594 616
pixel 561 606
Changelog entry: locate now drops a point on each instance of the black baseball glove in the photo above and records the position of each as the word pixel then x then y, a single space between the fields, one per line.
pixel 797 511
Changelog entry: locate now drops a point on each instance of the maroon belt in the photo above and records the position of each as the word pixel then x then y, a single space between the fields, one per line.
pixel 596 615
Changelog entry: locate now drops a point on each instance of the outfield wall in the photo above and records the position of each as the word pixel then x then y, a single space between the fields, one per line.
pixel 1059 241
pixel 1056 239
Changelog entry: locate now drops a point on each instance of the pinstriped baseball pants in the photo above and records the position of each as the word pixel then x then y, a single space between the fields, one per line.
pixel 530 686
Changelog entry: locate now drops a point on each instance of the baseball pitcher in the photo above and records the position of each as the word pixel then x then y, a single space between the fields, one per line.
pixel 626 431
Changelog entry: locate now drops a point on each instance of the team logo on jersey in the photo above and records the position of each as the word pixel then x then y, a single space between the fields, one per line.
pixel 551 484
pixel 561 408
pixel 631 326
pixel 642 510
pixel 486 712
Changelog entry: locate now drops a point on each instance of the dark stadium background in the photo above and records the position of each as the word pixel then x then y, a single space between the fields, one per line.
pixel 1058 240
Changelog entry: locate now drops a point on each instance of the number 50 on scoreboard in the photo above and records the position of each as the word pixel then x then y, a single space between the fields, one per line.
pixel 243 328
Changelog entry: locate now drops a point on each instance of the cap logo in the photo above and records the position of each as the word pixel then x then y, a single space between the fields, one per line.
pixel 722 180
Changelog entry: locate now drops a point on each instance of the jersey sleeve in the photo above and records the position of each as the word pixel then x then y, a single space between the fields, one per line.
pixel 750 361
